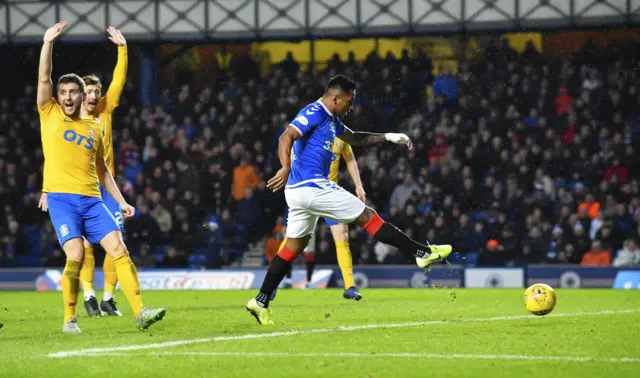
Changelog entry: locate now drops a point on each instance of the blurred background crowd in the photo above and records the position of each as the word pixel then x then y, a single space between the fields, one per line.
pixel 520 157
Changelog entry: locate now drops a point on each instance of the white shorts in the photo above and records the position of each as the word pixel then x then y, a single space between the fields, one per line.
pixel 310 200
pixel 311 246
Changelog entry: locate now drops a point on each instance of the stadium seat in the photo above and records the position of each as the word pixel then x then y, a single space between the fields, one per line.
pixel 28 261
pixel 471 258
pixel 197 260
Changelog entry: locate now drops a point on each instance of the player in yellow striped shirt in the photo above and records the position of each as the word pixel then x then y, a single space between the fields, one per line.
pixel 101 109
pixel 74 168
pixel 340 232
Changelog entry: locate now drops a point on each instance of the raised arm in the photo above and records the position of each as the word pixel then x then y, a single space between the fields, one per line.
pixel 285 143
pixel 45 85
pixel 359 138
pixel 120 71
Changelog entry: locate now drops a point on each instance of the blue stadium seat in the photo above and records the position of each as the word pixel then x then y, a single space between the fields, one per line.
pixel 197 260
pixel 477 216
pixel 28 261
pixel 471 258
pixel 456 258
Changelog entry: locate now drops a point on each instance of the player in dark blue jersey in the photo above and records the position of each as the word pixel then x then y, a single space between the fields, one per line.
pixel 311 195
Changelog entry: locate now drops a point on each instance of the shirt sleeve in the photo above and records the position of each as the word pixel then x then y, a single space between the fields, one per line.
pixel 47 109
pixel 114 92
pixel 307 119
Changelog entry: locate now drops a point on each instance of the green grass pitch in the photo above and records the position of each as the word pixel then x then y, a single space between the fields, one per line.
pixel 390 333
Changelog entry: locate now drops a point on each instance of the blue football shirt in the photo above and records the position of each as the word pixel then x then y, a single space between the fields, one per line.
pixel 313 151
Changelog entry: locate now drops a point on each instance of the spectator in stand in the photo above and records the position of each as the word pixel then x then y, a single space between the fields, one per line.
pixel 492 255
pixel 438 149
pixel 596 256
pixel 629 255
pixel 446 85
pixel 244 177
pixel 563 101
pixel 590 206
pixel 404 191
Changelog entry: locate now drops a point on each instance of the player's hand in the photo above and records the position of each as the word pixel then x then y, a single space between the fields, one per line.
pixel 399 138
pixel 278 181
pixel 54 32
pixel 116 36
pixel 127 210
pixel 360 193
pixel 42 204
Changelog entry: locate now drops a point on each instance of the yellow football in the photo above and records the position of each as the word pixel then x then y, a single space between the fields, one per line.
pixel 539 299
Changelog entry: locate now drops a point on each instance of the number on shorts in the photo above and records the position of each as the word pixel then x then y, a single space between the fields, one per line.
pixel 119 219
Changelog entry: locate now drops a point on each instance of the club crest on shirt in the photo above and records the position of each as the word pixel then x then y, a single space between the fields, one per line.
pixel 64 230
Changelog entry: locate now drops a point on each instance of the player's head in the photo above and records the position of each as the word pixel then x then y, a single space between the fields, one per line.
pixel 70 94
pixel 93 92
pixel 339 95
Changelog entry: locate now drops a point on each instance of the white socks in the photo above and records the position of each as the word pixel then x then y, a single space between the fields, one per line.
pixel 89 294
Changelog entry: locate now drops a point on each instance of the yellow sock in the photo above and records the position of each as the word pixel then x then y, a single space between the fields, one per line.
pixel 88 270
pixel 110 277
pixel 128 277
pixel 70 287
pixel 345 262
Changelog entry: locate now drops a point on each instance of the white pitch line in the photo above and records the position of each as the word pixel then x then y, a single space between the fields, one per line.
pixel 250 336
pixel 384 355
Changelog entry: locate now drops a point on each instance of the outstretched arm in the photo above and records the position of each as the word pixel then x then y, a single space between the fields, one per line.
pixel 45 85
pixel 285 144
pixel 359 138
pixel 120 71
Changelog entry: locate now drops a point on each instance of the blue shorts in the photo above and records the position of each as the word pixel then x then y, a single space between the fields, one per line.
pixel 75 215
pixel 112 206
pixel 330 222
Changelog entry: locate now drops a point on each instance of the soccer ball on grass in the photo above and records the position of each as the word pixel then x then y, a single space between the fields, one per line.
pixel 539 299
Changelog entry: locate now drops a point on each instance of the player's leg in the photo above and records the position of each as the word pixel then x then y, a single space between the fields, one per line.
pixel 340 234
pixel 108 303
pixel 343 207
pixel 287 282
pixel 309 257
pixel 101 227
pixel 300 224
pixel 87 274
pixel 67 221
pixel 387 233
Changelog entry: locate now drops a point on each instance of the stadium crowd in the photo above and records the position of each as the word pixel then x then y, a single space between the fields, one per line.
pixel 518 158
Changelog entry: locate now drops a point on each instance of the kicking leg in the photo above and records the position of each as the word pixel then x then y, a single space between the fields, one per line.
pixel 340 234
pixel 387 233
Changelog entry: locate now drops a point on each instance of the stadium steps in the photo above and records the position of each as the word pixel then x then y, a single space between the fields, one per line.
pixel 254 255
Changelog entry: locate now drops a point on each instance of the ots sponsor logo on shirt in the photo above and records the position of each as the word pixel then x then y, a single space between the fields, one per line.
pixel 80 140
